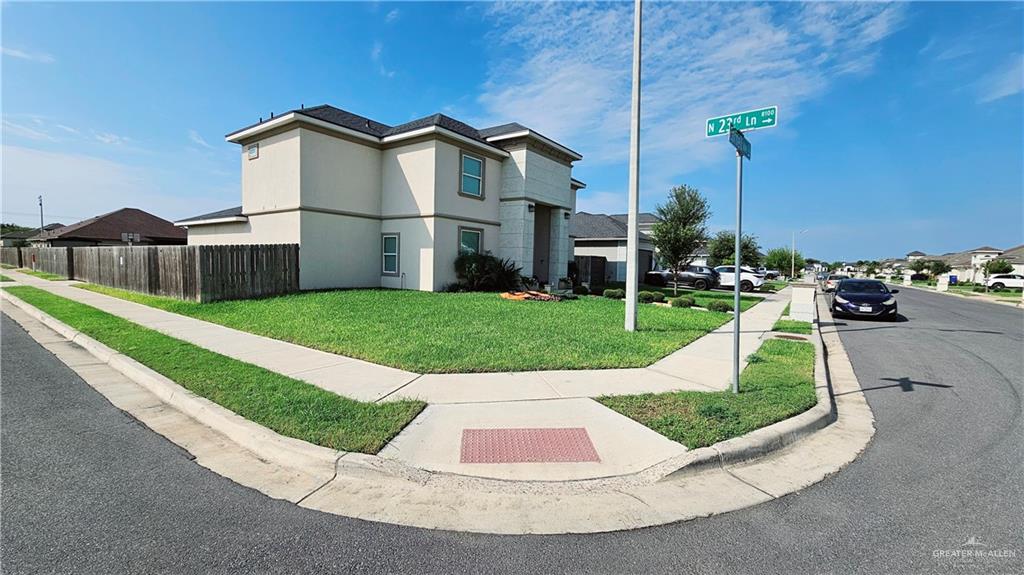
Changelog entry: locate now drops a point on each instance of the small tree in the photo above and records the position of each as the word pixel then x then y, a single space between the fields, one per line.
pixel 938 267
pixel 722 249
pixel 993 267
pixel 682 228
pixel 781 258
pixel 918 266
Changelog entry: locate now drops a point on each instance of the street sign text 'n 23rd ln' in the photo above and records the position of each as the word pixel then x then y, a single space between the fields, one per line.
pixel 743 121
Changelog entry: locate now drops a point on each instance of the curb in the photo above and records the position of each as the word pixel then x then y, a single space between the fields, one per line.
pixel 252 436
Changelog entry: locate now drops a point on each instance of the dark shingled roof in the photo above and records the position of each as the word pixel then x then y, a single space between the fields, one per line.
pixel 986 249
pixel 345 119
pixel 29 233
pixel 916 253
pixel 109 227
pixel 644 218
pixel 584 225
pixel 225 213
pixel 502 129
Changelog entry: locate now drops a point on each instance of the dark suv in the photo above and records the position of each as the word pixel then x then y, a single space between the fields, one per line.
pixel 697 277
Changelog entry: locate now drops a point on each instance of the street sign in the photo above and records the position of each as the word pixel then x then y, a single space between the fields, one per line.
pixel 741 144
pixel 744 121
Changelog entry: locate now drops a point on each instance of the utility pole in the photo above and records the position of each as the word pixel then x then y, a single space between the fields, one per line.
pixel 632 224
pixel 792 256
pixel 41 214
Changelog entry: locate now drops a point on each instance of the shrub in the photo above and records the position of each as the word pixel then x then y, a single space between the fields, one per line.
pixel 615 293
pixel 454 287
pixel 978 289
pixel 682 301
pixel 719 305
pixel 484 272
pixel 581 290
pixel 650 296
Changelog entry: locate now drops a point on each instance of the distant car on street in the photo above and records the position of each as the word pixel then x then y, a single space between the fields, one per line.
pixel 1003 281
pixel 697 277
pixel 832 281
pixel 749 279
pixel 768 274
pixel 864 298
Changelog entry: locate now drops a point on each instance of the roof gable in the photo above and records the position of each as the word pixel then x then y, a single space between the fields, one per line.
pixel 111 225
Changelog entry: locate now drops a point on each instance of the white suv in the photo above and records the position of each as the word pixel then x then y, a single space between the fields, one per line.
pixel 1000 281
pixel 749 279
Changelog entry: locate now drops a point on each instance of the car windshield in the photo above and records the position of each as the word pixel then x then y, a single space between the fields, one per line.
pixel 862 286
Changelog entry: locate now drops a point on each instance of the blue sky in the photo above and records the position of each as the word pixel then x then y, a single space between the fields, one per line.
pixel 901 125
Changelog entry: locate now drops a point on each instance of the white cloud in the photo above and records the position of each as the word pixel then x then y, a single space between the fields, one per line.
pixel 83 186
pixel 376 57
pixel 31 56
pixel 566 71
pixel 1007 81
pixel 194 136
pixel 36 132
pixel 392 15
pixel 108 138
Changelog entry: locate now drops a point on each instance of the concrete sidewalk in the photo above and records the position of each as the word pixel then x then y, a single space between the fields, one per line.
pixel 703 365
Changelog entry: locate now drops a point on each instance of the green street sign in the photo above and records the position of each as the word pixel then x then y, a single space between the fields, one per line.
pixel 743 121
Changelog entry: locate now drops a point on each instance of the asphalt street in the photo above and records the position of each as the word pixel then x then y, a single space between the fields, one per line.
pixel 87 489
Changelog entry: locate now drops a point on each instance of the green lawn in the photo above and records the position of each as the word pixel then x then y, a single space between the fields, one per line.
pixel 778 383
pixel 701 298
pixel 43 275
pixel 793 326
pixel 288 406
pixel 8 266
pixel 4 278
pixel 785 311
pixel 456 332
pixel 776 285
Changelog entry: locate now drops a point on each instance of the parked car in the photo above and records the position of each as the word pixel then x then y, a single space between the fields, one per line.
pixel 832 281
pixel 749 279
pixel 864 298
pixel 1001 281
pixel 697 277
pixel 767 273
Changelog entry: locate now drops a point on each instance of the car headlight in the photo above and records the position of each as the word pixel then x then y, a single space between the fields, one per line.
pixel 840 299
pixel 890 301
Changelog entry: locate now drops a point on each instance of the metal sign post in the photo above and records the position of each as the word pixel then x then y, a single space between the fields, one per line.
pixel 633 209
pixel 720 126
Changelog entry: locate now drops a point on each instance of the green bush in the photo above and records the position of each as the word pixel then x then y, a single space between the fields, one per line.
pixel 719 305
pixel 581 290
pixel 683 301
pixel 650 296
pixel 615 293
pixel 484 272
pixel 978 289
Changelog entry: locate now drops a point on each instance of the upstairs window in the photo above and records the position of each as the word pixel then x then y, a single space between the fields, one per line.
pixel 472 176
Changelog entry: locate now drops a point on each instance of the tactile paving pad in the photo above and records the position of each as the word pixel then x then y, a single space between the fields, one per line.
pixel 527 445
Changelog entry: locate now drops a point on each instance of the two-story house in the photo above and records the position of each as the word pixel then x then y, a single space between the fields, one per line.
pixel 373 205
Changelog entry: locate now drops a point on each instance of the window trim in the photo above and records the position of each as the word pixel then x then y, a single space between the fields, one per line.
pixel 249 151
pixel 463 154
pixel 478 231
pixel 397 254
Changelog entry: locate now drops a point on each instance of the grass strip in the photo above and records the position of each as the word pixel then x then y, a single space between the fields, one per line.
pixel 4 278
pixel 785 312
pixel 42 275
pixel 455 332
pixel 793 326
pixel 777 384
pixel 8 267
pixel 288 406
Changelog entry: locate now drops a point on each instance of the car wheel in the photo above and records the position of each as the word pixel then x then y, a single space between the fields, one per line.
pixel 997 287
pixel 700 285
pixel 746 285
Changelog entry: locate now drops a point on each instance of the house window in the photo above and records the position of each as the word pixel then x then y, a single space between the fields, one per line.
pixel 470 240
pixel 253 150
pixel 472 176
pixel 389 254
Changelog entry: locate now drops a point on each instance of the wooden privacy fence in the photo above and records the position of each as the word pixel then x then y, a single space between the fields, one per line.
pixel 197 273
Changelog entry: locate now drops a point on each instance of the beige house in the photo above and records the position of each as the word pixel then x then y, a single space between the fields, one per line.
pixel 373 205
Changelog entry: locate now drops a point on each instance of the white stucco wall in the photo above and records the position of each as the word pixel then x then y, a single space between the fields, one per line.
pixel 278 228
pixel 407 175
pixel 415 253
pixel 271 181
pixel 339 251
pixel 448 174
pixel 338 174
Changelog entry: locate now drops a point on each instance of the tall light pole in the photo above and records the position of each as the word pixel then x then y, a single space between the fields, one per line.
pixel 632 225
pixel 40 214
pixel 792 255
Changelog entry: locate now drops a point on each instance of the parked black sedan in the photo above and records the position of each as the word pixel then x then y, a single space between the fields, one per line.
pixel 864 298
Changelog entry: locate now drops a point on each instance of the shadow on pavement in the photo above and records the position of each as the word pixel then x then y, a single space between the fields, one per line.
pixel 904 383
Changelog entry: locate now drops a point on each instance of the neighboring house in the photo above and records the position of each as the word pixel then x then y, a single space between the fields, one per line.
pixel 117 228
pixel 15 239
pixel 915 255
pixel 373 205
pixel 1015 257
pixel 600 235
pixel 645 224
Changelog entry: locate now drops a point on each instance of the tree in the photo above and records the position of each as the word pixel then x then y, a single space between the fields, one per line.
pixel 836 266
pixel 918 266
pixel 722 249
pixel 999 266
pixel 871 268
pixel 780 259
pixel 938 267
pixel 682 228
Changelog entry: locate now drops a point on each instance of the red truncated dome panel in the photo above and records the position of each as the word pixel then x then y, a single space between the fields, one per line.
pixel 527 445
